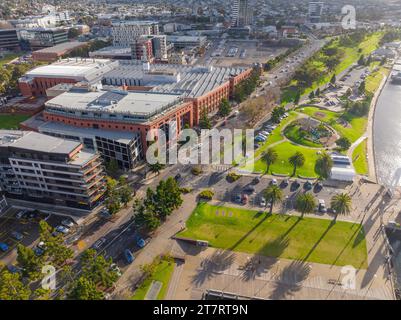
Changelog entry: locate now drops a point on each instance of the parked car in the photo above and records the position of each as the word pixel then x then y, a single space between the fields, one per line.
pixel 104 213
pixel 62 229
pixel 21 214
pixel 38 251
pixel 129 257
pixel 67 223
pixel 177 177
pixel 256 180
pixel 17 236
pixel 114 267
pixel 244 199
pixel 274 182
pixel 295 185
pixel 262 202
pixel 13 268
pixel 3 246
pixel 98 244
pixel 238 198
pixel 284 183
pixel 140 242
pixel 249 189
pixel 322 206
pixel 308 185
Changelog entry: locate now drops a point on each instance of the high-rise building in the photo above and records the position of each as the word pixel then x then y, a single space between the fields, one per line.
pixel 315 11
pixel 38 167
pixel 125 33
pixel 241 13
pixel 141 49
pixel 9 39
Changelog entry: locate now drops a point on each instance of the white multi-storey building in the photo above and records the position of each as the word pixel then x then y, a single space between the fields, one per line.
pixel 125 33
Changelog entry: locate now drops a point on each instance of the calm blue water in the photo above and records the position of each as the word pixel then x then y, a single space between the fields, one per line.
pixel 387 136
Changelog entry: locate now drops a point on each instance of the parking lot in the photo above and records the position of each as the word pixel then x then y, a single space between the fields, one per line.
pixel 24 230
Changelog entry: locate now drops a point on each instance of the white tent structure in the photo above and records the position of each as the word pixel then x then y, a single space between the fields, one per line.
pixel 342 168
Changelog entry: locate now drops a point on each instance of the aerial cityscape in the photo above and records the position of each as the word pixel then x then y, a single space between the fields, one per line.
pixel 241 150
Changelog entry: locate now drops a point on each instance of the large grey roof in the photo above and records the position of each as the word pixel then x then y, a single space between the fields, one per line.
pixel 195 81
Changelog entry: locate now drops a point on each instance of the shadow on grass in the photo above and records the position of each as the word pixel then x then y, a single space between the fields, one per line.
pixel 217 262
pixel 290 280
pixel 332 223
pixel 257 265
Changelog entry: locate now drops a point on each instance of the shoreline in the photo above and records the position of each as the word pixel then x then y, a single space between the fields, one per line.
pixel 372 174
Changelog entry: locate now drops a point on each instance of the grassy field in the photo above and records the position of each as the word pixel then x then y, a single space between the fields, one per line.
pixel 11 121
pixel 359 159
pixel 282 166
pixel 308 239
pixel 163 273
pixel 355 129
pixel 351 56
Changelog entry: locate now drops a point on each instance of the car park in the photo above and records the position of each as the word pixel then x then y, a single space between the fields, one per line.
pixel 17 236
pixel 129 257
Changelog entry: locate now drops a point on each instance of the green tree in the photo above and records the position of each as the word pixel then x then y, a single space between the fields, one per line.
pixel 224 108
pixel 29 262
pixel 125 191
pixel 296 160
pixel 204 121
pixel 145 215
pixel 305 203
pixel 269 157
pixel 11 287
pixel 344 143
pixel 317 93
pixel 56 252
pixel 341 203
pixel 324 164
pixel 362 88
pixel 333 79
pixel 112 202
pixel 311 95
pixel 156 167
pixel 273 194
pixel 112 167
pixel 361 60
pixel 277 112
pixel 97 269
pixel 85 289
pixel 297 97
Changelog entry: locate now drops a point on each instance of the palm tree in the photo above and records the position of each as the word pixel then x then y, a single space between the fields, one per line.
pixel 324 165
pixel 305 203
pixel 156 167
pixel 273 194
pixel 296 160
pixel 270 157
pixel 341 203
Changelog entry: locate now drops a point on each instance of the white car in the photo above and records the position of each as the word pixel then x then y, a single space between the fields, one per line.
pixel 262 202
pixel 67 223
pixel 62 229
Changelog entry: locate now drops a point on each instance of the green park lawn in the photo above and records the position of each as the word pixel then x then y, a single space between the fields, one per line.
pixel 11 121
pixel 351 56
pixel 355 129
pixel 282 166
pixel 163 273
pixel 7 58
pixel 308 239
pixel 359 159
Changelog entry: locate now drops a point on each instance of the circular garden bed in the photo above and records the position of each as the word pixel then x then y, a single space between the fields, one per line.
pixel 309 133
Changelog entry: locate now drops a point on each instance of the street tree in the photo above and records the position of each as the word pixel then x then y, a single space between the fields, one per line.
pixel 324 164
pixel 11 287
pixel 29 262
pixel 85 289
pixel 305 203
pixel 296 160
pixel 224 108
pixel 269 157
pixel 156 167
pixel 341 203
pixel 273 195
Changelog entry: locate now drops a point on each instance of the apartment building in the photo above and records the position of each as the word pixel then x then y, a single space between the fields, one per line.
pixel 9 39
pixel 124 33
pixel 142 49
pixel 38 167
